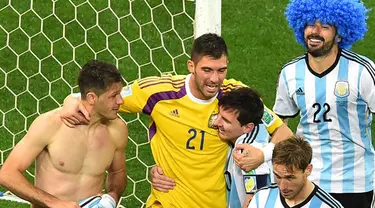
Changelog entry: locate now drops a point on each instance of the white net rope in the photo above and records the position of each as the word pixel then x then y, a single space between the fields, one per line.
pixel 44 43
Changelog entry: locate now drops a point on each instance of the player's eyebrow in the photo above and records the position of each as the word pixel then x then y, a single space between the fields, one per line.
pixel 115 92
pixel 276 174
pixel 225 119
pixel 206 67
pixel 222 68
pixel 287 176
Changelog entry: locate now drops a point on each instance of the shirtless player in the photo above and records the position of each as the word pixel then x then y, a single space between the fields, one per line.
pixel 71 162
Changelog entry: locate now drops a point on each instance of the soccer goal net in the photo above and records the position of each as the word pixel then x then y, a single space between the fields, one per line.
pixel 44 43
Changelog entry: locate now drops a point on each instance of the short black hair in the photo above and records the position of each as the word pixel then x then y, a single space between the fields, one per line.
pixel 208 44
pixel 244 101
pixel 97 76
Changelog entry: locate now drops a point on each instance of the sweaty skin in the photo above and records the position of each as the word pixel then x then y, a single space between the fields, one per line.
pixel 76 159
pixel 70 162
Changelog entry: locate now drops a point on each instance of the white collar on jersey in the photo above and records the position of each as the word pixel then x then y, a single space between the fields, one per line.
pixel 242 139
pixel 191 96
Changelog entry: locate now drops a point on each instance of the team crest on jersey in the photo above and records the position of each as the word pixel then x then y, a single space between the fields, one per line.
pixel 342 89
pixel 211 121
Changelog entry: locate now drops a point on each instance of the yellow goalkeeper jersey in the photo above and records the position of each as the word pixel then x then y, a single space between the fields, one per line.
pixel 183 141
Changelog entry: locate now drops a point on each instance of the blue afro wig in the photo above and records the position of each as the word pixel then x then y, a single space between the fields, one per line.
pixel 348 16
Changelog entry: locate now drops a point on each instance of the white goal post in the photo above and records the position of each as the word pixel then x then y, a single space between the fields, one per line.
pixel 207 17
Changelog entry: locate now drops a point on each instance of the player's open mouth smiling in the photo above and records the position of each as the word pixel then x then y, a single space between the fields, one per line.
pixel 211 87
pixel 221 130
pixel 315 42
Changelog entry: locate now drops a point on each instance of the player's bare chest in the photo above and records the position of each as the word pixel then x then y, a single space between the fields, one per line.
pixel 77 151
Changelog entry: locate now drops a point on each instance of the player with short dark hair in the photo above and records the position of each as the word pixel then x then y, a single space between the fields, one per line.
pixel 71 162
pixel 240 122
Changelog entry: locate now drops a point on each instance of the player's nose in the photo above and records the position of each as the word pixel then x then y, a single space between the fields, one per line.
pixel 119 101
pixel 214 77
pixel 283 184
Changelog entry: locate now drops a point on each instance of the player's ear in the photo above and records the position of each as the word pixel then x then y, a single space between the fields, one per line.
pixel 337 36
pixel 337 39
pixel 247 128
pixel 308 169
pixel 91 98
pixel 191 66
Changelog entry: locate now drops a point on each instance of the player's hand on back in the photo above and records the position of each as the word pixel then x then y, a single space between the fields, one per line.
pixel 248 157
pixel 161 182
pixel 74 112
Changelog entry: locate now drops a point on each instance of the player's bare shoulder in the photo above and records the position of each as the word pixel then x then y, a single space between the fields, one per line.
pixel 118 131
pixel 50 121
pixel 44 127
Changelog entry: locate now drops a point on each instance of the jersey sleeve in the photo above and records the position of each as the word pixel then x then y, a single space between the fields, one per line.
pixel 143 94
pixel 367 87
pixel 134 98
pixel 284 106
pixel 271 120
pixel 229 84
pixel 263 168
pixel 262 135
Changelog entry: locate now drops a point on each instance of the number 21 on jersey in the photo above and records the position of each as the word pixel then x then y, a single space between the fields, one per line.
pixel 195 135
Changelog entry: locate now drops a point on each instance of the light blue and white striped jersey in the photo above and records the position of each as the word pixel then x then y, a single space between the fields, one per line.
pixel 239 182
pixel 270 197
pixel 335 109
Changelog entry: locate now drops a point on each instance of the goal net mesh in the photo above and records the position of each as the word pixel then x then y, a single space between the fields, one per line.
pixel 44 43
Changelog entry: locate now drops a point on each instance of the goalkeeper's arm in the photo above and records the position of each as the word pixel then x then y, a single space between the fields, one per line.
pixel 74 112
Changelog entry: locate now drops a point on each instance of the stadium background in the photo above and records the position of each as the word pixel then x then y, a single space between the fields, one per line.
pixel 43 43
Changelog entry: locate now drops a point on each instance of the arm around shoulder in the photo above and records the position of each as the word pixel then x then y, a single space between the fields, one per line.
pixel 275 126
pixel 281 133
pixel 73 111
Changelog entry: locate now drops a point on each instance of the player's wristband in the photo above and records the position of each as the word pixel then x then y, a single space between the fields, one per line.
pixel 267 151
pixel 107 201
